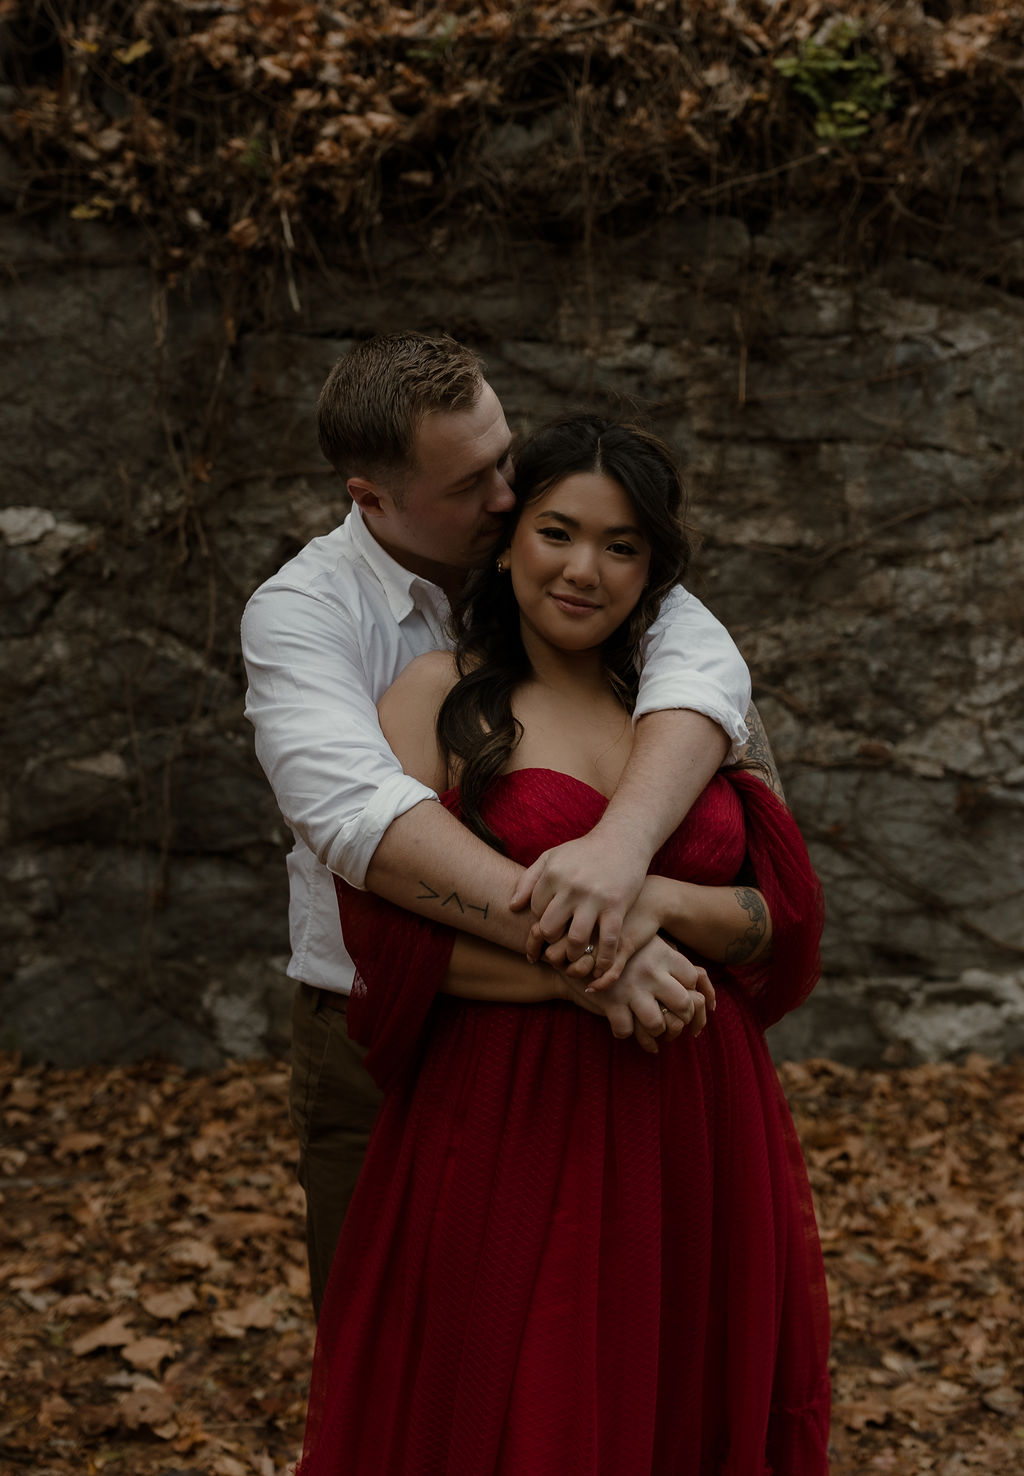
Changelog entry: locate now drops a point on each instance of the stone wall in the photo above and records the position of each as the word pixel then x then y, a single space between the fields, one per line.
pixel 855 450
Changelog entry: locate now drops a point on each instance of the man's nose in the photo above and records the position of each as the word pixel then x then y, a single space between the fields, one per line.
pixel 501 498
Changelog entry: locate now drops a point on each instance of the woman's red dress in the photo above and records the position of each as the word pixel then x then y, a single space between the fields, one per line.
pixel 566 1257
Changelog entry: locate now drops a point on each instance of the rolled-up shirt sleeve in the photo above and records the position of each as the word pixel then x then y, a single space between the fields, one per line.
pixel 690 660
pixel 312 705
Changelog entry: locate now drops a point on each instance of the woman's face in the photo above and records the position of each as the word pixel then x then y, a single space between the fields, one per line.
pixel 578 561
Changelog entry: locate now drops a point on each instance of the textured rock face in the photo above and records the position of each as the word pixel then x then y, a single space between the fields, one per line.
pixel 855 452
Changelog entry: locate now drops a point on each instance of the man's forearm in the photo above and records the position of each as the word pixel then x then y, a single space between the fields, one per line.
pixel 430 864
pixel 675 753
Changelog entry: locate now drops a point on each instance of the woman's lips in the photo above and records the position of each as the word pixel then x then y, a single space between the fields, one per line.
pixel 572 605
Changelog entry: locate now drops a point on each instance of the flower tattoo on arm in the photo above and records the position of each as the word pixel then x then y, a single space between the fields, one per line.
pixel 749 942
pixel 758 753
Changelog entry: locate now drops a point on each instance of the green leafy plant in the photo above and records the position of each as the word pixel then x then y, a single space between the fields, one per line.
pixel 255 157
pixel 440 43
pixel 844 82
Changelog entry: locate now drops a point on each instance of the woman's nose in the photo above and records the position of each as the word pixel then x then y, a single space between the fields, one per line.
pixel 581 566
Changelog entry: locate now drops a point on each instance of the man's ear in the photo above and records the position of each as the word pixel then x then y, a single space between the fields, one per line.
pixel 366 493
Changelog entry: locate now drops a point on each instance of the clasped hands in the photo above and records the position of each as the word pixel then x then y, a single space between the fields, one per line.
pixel 580 893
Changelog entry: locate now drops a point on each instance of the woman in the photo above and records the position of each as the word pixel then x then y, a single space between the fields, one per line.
pixel 566 1254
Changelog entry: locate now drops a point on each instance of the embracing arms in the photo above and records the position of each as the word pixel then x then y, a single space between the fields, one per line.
pixel 477 969
pixel 689 718
pixel 660 991
pixel 307 643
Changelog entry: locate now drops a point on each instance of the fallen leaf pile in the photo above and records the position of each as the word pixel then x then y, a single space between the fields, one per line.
pixel 917 1178
pixel 284 128
pixel 154 1309
pixel 155 1303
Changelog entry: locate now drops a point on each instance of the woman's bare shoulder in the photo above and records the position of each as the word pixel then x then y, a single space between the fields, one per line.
pixel 408 716
pixel 431 675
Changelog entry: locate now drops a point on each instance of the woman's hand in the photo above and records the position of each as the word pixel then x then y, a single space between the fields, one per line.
pixel 659 995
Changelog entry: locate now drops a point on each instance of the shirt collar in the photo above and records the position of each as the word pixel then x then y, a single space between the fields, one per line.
pixel 403 590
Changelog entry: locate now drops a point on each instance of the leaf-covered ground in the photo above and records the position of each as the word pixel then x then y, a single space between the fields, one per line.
pixel 153 1294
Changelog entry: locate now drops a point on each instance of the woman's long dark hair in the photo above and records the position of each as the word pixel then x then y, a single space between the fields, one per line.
pixel 476 726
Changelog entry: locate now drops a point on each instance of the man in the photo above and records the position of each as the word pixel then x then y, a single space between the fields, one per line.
pixel 421 443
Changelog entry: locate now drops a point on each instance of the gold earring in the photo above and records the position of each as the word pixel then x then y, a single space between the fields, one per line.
pixel 501 568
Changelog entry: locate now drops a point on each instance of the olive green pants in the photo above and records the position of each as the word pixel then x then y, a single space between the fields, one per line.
pixel 333 1104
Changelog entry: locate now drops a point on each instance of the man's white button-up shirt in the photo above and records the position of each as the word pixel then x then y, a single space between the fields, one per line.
pixel 323 639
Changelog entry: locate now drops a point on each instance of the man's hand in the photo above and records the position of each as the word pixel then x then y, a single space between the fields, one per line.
pixel 660 995
pixel 643 921
pixel 586 886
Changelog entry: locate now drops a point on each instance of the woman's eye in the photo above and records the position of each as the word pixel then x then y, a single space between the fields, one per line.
pixel 557 535
pixel 622 548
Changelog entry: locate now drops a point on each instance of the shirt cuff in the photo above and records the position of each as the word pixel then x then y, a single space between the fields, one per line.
pixel 703 697
pixel 350 855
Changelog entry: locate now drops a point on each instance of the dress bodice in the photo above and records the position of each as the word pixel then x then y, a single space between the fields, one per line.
pixel 535 809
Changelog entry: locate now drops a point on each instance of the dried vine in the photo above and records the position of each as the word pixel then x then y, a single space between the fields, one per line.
pixel 241 133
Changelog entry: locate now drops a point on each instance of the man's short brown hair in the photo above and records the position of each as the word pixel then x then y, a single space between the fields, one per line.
pixel 374 398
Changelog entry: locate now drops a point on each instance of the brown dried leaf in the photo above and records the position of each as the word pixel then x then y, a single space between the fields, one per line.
pixel 54 1410
pixel 23 1096
pixel 75 1144
pixel 248 1224
pixel 169 1305
pixel 227 1465
pixel 243 234
pixel 79 1304
pixel 114 1333
pixel 235 1322
pixel 1005 1400
pixel 275 68
pixel 859 1413
pixel 382 123
pixel 193 1252
pixel 148 1353
pixel 151 1407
